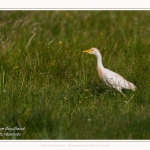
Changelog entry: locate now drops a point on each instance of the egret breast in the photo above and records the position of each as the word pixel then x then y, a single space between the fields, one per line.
pixel 100 73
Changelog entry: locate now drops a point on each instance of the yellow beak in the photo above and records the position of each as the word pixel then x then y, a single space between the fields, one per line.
pixel 86 51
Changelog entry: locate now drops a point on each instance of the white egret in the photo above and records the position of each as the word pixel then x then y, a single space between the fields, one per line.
pixel 110 78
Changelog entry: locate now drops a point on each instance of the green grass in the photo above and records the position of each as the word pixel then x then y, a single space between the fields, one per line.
pixel 51 88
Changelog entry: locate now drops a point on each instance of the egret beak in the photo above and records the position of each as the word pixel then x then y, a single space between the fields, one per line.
pixel 87 51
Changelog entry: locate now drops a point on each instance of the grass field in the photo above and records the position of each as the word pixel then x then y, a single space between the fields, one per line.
pixel 51 89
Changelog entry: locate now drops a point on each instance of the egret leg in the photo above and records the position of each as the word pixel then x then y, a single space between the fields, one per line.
pixel 121 92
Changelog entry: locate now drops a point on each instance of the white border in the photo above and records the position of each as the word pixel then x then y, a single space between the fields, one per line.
pixel 75 145
pixel 74 4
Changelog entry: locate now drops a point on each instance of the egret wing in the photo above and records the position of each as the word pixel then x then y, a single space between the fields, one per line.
pixel 115 80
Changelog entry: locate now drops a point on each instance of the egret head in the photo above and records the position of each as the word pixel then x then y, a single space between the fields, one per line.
pixel 93 51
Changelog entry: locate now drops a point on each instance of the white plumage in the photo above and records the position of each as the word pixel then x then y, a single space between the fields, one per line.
pixel 110 78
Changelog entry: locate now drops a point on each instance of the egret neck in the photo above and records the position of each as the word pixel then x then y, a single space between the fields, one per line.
pixel 99 61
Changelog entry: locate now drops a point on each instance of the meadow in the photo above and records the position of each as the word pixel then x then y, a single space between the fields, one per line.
pixel 51 89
